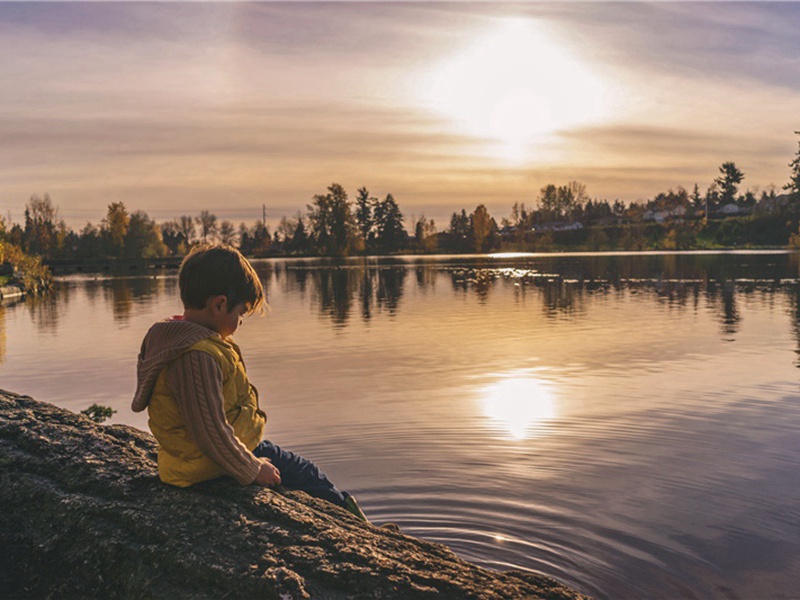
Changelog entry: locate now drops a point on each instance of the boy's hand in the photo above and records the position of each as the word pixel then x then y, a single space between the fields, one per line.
pixel 268 475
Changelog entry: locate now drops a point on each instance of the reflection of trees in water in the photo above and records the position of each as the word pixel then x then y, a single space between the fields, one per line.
pixel 390 288
pixel 337 290
pixel 565 285
pixel 730 317
pixel 794 310
pixel 124 293
pixel 559 297
pixel 45 310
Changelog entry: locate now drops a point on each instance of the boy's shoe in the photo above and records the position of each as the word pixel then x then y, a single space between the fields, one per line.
pixel 351 505
pixel 391 527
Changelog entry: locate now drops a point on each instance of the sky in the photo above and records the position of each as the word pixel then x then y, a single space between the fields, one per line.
pixel 174 108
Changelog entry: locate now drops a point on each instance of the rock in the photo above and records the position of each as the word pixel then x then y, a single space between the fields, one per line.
pixel 84 515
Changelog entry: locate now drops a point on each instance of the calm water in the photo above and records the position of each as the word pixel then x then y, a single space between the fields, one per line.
pixel 627 424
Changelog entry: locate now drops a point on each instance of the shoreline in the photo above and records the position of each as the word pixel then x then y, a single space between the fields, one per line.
pixel 104 525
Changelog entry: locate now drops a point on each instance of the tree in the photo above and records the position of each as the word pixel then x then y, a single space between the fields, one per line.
pixel 562 202
pixel 794 178
pixel 42 224
pixel 459 225
pixel 480 228
pixel 389 224
pixel 728 181
pixel 207 221
pixel 90 242
pixel 186 227
pixel 425 234
pixel 115 226
pixel 227 233
pixel 365 205
pixel 143 237
pixel 332 226
pixel 173 238
pixel 299 243
pixel 245 239
pixel 260 239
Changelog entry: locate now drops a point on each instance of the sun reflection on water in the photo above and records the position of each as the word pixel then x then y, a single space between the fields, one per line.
pixel 519 403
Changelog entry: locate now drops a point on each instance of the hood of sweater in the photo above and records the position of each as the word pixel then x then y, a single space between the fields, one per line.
pixel 164 342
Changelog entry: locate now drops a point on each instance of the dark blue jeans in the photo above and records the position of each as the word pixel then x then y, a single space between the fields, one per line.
pixel 298 473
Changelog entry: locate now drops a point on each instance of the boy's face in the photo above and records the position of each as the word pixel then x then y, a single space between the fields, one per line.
pixel 227 322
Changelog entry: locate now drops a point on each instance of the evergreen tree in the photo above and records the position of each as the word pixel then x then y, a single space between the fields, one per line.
pixel 365 222
pixel 331 222
pixel 728 181
pixel 794 178
pixel 391 234
pixel 299 242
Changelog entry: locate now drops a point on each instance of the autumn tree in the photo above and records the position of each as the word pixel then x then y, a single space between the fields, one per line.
pixel 480 228
pixel 143 237
pixel 115 226
pixel 728 182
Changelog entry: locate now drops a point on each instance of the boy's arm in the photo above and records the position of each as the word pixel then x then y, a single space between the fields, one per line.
pixel 195 380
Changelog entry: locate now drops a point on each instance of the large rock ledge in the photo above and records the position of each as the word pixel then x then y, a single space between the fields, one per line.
pixel 83 515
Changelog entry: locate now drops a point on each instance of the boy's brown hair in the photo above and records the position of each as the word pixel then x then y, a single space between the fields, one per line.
pixel 218 269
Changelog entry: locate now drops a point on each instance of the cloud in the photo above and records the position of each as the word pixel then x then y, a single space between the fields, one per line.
pixel 176 107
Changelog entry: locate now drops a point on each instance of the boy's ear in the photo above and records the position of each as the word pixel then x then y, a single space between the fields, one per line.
pixel 218 304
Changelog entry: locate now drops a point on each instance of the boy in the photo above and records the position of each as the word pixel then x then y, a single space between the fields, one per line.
pixel 202 409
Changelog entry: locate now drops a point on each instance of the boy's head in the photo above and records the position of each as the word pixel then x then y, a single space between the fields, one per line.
pixel 211 270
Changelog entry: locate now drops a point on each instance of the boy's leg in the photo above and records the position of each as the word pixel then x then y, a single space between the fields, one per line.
pixel 299 473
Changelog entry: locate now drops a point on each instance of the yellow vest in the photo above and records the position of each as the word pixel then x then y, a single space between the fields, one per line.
pixel 180 460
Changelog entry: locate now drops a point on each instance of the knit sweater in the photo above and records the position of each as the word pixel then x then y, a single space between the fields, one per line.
pixel 195 382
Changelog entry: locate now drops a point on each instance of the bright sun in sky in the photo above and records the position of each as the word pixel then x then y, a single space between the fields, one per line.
pixel 515 85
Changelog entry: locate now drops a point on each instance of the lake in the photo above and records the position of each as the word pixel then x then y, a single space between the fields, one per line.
pixel 628 424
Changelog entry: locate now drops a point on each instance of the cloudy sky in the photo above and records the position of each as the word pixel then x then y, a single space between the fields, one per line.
pixel 174 108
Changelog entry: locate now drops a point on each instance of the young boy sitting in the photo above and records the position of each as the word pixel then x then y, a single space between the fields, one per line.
pixel 202 409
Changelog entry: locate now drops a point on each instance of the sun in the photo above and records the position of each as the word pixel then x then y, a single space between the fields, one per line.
pixel 514 86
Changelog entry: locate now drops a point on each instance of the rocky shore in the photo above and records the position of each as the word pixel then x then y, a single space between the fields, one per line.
pixel 83 515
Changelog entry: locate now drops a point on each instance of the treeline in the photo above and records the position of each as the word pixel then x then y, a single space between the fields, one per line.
pixel 564 217
pixel 332 225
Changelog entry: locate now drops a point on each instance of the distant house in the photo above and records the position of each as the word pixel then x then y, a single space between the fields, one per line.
pixel 731 209
pixel 558 226
pixel 509 230
pixel 769 205
pixel 659 216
